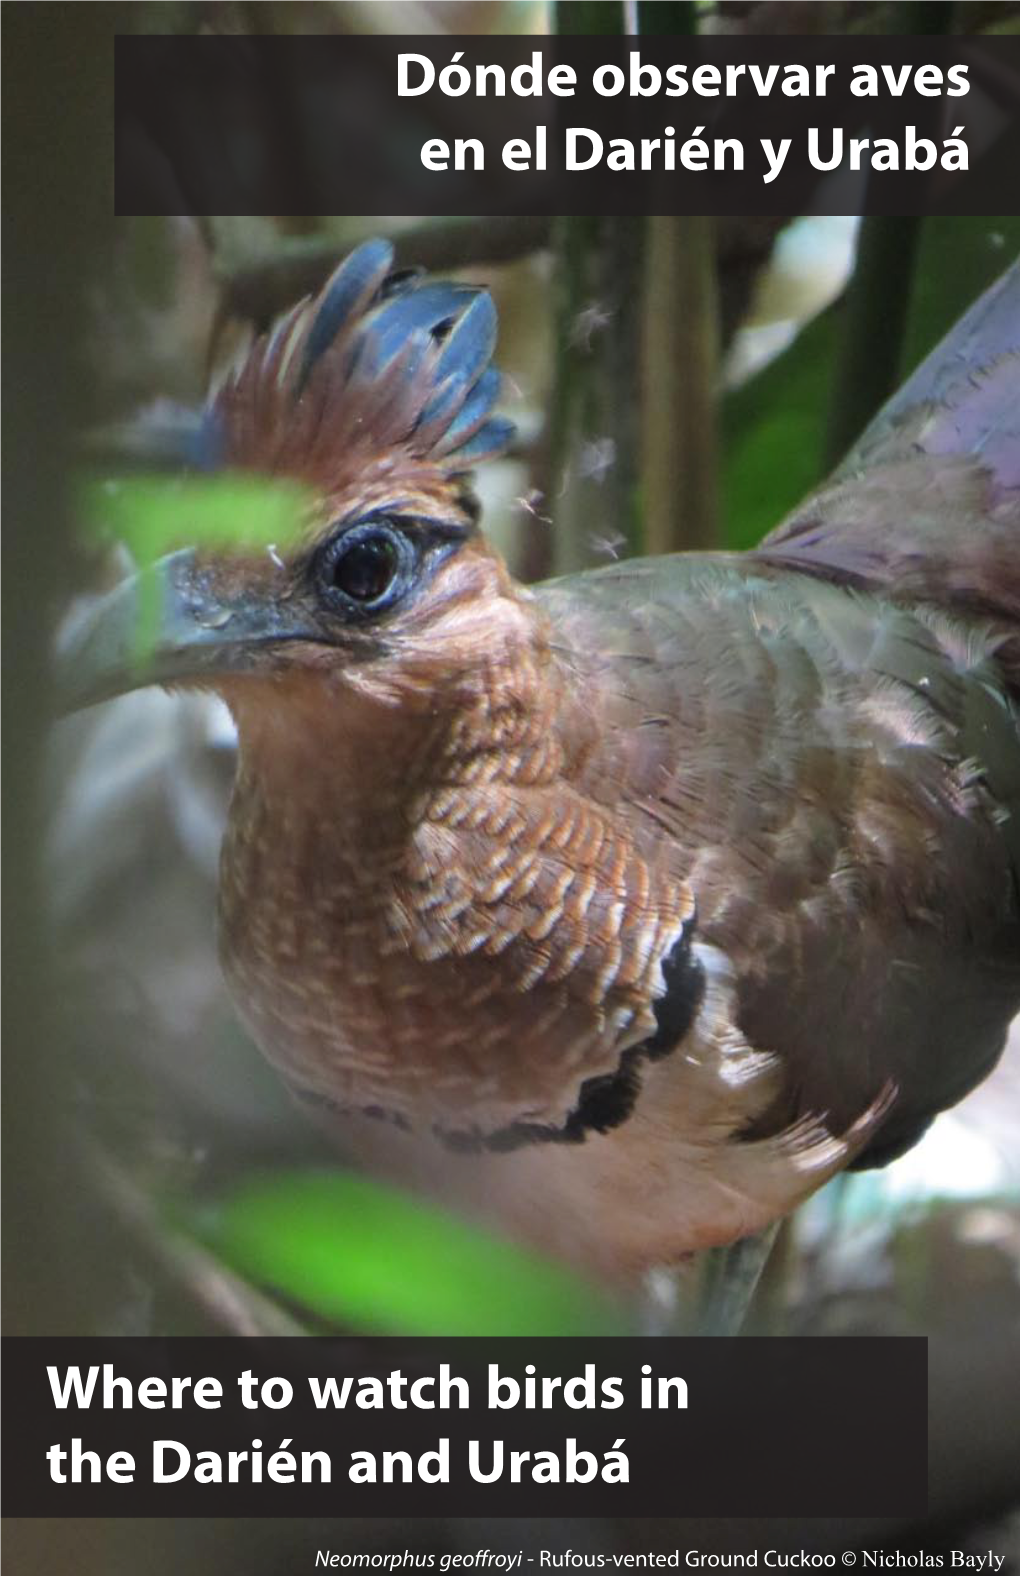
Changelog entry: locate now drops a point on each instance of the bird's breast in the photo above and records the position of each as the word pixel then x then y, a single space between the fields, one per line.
pixel 475 964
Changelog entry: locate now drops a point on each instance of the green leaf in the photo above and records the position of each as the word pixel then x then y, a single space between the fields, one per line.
pixel 154 514
pixel 361 1254
pixel 773 430
pixel 957 260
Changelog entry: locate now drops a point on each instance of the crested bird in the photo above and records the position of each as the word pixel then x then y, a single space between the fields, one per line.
pixel 632 906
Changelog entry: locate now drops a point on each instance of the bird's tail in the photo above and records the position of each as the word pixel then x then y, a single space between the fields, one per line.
pixel 927 504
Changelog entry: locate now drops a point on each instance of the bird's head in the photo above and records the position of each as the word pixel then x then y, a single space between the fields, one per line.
pixel 376 396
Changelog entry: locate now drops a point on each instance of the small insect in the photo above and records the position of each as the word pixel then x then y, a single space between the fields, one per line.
pixel 607 546
pixel 597 460
pixel 591 320
pixel 531 503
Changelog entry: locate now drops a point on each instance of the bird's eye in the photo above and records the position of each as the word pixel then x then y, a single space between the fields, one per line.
pixel 365 569
pixel 368 566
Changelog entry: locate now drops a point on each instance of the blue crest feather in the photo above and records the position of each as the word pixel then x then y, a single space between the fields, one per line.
pixel 464 363
pixel 380 361
pixel 345 291
pixel 473 410
pixel 427 310
pixel 490 440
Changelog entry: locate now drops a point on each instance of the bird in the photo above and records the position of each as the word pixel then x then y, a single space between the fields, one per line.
pixel 629 907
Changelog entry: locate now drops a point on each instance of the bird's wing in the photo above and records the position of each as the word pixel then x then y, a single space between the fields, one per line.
pixel 806 752
pixel 962 399
pixel 821 732
pixel 927 504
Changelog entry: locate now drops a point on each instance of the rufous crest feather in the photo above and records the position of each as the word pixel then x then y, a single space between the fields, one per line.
pixel 381 372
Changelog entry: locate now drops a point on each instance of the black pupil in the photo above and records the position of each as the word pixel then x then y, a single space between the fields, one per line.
pixel 367 567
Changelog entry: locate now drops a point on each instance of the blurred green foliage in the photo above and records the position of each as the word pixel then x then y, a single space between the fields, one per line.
pixel 772 434
pixel 359 1254
pixel 152 514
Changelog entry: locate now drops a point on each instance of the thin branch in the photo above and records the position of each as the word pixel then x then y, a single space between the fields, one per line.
pixel 874 323
pixel 658 17
pixel 603 17
pixel 594 439
pixel 226 1298
pixel 877 300
pixel 679 462
pixel 257 291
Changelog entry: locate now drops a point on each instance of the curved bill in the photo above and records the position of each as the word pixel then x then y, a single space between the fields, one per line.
pixel 178 621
